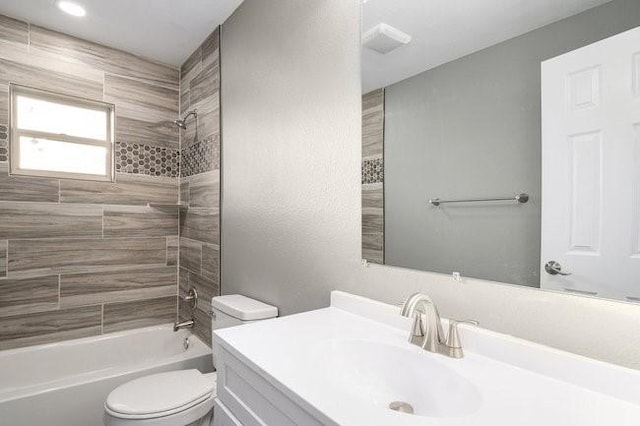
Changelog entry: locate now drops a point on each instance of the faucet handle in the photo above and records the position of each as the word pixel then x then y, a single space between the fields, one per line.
pixel 453 345
pixel 417 330
pixel 191 298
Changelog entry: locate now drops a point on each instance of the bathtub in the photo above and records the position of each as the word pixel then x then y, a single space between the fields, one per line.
pixel 66 383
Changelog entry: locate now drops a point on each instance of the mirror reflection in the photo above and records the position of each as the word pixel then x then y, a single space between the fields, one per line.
pixel 501 141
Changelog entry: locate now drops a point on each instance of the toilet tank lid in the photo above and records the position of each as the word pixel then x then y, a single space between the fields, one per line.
pixel 243 308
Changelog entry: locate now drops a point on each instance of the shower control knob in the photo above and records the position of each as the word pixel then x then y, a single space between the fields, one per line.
pixel 191 298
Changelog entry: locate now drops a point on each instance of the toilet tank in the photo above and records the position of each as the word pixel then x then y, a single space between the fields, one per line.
pixel 235 309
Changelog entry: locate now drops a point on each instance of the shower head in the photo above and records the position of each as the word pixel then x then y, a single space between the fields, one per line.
pixel 182 123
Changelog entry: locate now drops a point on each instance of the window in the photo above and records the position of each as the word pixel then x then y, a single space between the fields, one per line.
pixel 61 136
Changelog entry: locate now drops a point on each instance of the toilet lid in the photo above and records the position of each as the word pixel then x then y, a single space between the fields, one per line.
pixel 160 394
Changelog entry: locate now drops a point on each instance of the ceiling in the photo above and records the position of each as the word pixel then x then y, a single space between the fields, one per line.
pixel 164 30
pixel 444 30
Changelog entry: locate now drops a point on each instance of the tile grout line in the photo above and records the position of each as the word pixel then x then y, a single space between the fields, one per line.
pixel 59 290
pixel 6 265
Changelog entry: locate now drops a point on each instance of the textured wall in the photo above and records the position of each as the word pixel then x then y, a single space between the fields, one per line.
pixel 79 258
pixel 291 184
pixel 200 182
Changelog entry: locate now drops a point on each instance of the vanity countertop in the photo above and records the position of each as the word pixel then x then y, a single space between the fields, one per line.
pixel 501 381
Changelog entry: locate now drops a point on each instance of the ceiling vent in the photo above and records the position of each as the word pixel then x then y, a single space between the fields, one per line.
pixel 384 38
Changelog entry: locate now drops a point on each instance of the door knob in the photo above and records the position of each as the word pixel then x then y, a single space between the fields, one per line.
pixel 554 268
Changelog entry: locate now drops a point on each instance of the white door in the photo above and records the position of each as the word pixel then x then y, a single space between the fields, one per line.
pixel 591 168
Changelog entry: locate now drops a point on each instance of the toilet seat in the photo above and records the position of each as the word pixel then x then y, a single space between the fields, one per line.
pixel 161 395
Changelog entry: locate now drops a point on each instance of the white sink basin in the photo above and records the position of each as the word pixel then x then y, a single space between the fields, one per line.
pixel 347 363
pixel 379 374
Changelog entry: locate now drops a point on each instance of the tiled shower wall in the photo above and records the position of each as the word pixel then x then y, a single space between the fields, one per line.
pixel 81 258
pixel 373 176
pixel 200 182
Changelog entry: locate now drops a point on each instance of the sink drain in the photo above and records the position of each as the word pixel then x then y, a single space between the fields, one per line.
pixel 401 407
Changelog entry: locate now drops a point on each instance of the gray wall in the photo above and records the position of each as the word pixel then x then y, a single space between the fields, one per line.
pixel 291 188
pixel 471 128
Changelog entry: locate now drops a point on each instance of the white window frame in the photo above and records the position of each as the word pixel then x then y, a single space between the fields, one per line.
pixel 15 133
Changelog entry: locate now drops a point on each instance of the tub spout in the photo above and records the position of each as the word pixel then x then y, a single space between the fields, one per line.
pixel 184 324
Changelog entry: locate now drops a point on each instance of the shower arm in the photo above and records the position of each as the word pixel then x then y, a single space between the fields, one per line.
pixel 189 114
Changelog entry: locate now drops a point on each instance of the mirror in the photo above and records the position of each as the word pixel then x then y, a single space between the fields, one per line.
pixel 501 141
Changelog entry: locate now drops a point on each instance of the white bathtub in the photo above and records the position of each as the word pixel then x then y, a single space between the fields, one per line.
pixel 66 383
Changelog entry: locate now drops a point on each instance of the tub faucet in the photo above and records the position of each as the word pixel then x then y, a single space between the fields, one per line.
pixel 426 330
pixel 184 324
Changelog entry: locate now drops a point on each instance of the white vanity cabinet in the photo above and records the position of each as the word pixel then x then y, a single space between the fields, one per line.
pixel 246 398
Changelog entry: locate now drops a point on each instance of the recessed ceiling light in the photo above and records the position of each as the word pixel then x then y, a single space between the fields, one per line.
pixel 73 9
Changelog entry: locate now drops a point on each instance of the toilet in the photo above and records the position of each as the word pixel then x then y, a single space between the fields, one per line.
pixel 183 397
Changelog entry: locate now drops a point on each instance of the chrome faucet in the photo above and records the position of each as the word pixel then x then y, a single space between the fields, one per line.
pixel 184 324
pixel 427 331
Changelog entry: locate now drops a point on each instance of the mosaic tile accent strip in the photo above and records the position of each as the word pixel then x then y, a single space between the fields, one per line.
pixel 147 160
pixel 202 156
pixel 373 171
pixel 4 151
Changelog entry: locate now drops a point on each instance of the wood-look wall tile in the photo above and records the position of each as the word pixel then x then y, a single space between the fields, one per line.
pixel 204 89
pixel 204 190
pixel 173 249
pixel 27 296
pixel 184 191
pixel 83 255
pixel 211 262
pixel 162 133
pixel 372 220
pixel 202 327
pixel 201 224
pixel 50 326
pixel 373 100
pixel 373 196
pixel 104 58
pixel 4 245
pixel 373 247
pixel 133 221
pixel 41 78
pixel 19 188
pixel 211 48
pixel 13 31
pixel 34 57
pixel 4 105
pixel 206 290
pixel 185 99
pixel 183 278
pixel 46 60
pixel 144 313
pixel 128 189
pixel 121 286
pixel 140 100
pixel 201 319
pixel 372 123
pixel 191 66
pixel 190 255
pixel 209 123
pixel 31 220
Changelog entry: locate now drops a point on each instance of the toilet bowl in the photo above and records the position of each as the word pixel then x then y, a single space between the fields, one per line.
pixel 183 397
